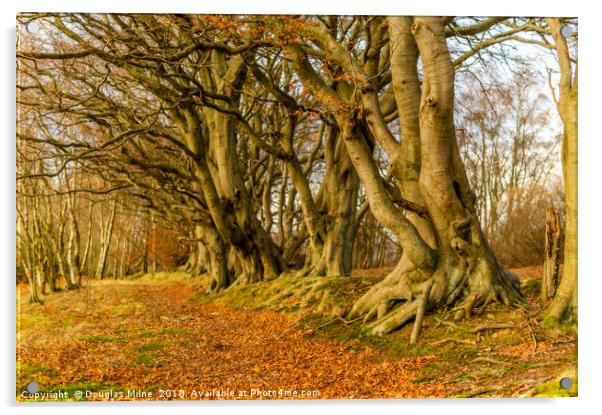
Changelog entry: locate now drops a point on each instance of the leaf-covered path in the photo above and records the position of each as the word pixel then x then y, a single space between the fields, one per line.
pixel 128 335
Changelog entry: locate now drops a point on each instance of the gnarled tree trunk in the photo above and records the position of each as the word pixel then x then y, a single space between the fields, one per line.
pixel 341 193
pixel 215 259
pixel 461 267
pixel 331 218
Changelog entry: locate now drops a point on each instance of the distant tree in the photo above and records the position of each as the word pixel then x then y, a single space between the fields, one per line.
pixel 508 142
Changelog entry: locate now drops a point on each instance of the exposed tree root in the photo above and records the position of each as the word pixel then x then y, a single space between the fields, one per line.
pixel 400 297
pixel 451 339
pixel 377 301
pixel 35 300
pixel 420 313
pixel 491 327
pixel 396 319
pixel 317 268
pixel 482 359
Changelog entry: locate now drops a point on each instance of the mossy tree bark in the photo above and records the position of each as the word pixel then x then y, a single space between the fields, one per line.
pixel 564 305
pixel 444 247
pixel 211 135
pixel 329 215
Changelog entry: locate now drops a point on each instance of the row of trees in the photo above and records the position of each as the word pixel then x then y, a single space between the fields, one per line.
pixel 63 236
pixel 263 143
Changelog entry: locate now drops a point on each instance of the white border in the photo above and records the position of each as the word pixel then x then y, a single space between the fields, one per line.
pixel 590 151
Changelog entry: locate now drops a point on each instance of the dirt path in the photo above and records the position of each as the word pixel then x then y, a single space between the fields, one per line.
pixel 123 336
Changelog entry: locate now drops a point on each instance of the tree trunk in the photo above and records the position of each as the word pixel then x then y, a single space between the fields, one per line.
pixel 564 304
pixel 197 259
pixel 256 254
pixel 463 267
pixel 266 196
pixel 250 249
pixel 341 193
pixel 34 284
pixel 106 235
pixel 217 256
pixel 86 255
pixel 73 263
pixel 330 218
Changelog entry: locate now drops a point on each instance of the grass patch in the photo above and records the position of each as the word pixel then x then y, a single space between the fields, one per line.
pixel 161 277
pixel 151 332
pixel 146 356
pixel 33 318
pixel 30 372
pixel 151 347
pixel 425 379
pixel 294 294
pixel 173 331
pixel 552 389
pixel 145 332
pixel 520 367
pixel 40 374
pixel 148 359
pixel 101 339
pixel 460 377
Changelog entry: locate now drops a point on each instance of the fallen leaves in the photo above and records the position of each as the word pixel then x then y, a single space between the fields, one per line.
pixel 158 335
pixel 175 343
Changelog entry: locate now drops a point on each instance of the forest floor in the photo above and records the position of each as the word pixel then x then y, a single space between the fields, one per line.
pixel 160 337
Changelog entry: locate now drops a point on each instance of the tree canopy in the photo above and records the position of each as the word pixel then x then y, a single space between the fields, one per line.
pixel 250 146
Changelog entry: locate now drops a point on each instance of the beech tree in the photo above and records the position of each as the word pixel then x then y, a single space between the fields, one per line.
pixel 445 256
pixel 564 304
pixel 256 135
pixel 559 35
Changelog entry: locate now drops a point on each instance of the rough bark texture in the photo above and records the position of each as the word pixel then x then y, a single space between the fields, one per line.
pixel 217 264
pixel 330 219
pixel 256 256
pixel 551 263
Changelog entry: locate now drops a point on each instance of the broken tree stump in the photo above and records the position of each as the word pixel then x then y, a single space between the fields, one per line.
pixel 551 264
